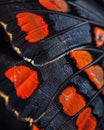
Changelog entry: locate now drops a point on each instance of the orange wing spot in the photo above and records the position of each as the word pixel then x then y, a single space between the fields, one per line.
pixel 96 75
pixel 99 36
pixel 57 5
pixel 86 121
pixel 36 128
pixel 34 25
pixel 82 58
pixel 25 80
pixel 71 101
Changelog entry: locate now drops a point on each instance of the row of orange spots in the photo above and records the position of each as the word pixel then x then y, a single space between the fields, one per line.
pixel 34 25
pixel 25 80
pixel 95 72
pixel 56 5
pixel 86 121
pixel 71 101
pixel 96 75
pixel 99 36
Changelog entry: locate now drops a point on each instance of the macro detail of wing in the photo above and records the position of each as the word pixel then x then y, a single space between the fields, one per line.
pixel 53 31
pixel 63 79
pixel 31 108
pixel 17 82
pixel 95 72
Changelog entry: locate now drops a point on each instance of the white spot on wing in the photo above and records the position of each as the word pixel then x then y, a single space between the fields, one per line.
pixel 17 49
pixel 27 59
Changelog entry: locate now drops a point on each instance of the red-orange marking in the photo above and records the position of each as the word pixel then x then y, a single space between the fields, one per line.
pixel 99 36
pixel 36 128
pixel 57 5
pixel 25 80
pixel 82 58
pixel 96 75
pixel 71 101
pixel 86 121
pixel 95 72
pixel 34 25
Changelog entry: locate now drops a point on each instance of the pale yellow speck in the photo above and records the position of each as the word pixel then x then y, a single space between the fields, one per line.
pixel 17 49
pixel 5 97
pixel 15 112
pixel 5 27
pixel 30 120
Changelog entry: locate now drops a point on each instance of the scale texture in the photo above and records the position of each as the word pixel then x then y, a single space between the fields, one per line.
pixel 52 73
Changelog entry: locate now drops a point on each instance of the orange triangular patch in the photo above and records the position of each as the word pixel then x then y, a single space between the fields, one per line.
pixel 34 25
pixel 25 80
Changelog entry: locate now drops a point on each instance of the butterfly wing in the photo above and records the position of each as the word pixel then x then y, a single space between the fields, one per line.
pixel 49 101
pixel 51 97
pixel 86 10
pixel 69 79
pixel 35 34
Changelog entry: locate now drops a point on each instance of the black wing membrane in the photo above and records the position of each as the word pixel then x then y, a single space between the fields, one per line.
pixel 9 59
pixel 88 10
pixel 43 107
pixel 44 103
pixel 65 31
pixel 51 55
